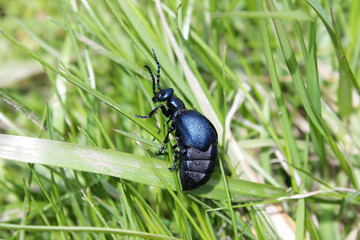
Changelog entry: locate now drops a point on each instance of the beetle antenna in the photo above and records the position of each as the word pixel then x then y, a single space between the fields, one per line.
pixel 152 77
pixel 158 69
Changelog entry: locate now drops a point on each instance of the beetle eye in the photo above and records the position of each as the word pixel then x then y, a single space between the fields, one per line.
pixel 155 99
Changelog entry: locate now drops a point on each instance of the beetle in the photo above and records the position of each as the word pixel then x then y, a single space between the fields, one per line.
pixel 195 135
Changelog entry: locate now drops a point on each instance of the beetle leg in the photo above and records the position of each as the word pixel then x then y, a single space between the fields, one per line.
pixel 175 161
pixel 163 109
pixel 171 128
pixel 181 147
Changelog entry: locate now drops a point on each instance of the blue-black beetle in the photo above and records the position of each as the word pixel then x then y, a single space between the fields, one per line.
pixel 195 135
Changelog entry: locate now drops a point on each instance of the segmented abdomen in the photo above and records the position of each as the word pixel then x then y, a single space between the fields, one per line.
pixel 197 166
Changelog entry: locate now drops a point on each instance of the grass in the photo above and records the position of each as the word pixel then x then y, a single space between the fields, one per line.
pixel 279 83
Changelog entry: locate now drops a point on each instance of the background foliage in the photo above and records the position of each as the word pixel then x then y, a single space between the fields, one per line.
pixel 279 80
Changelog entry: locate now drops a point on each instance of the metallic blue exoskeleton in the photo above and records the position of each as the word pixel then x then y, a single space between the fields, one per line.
pixel 195 135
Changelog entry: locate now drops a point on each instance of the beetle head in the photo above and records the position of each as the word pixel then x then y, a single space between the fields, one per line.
pixel 163 95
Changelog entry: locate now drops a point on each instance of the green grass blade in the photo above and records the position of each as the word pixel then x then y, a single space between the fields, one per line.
pixel 167 68
pixel 304 96
pixel 83 229
pixel 346 73
pixel 300 219
pixel 122 165
pixel 291 152
pixel 71 78
pixel 313 87
pixel 287 116
pixel 285 15
pixel 69 29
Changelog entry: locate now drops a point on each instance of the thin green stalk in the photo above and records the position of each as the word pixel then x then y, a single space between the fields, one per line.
pixel 50 199
pixel 304 96
pixel 70 31
pixel 83 229
pixel 105 224
pixel 76 81
pixel 291 151
pixel 231 210
pixel 313 87
pixel 177 200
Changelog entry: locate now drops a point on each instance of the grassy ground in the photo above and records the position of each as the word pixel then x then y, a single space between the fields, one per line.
pixel 279 82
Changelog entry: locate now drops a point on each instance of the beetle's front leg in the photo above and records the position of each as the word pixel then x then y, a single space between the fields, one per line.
pixel 163 109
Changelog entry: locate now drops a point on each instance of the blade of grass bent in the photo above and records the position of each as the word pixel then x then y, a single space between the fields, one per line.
pixel 123 165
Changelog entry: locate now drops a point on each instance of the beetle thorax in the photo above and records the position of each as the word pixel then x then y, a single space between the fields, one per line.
pixel 175 104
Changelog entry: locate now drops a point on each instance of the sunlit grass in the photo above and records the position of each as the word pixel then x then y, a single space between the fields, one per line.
pixel 279 82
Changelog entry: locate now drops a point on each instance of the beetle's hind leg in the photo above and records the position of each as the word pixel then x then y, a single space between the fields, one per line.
pixel 181 150
pixel 177 153
pixel 162 152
